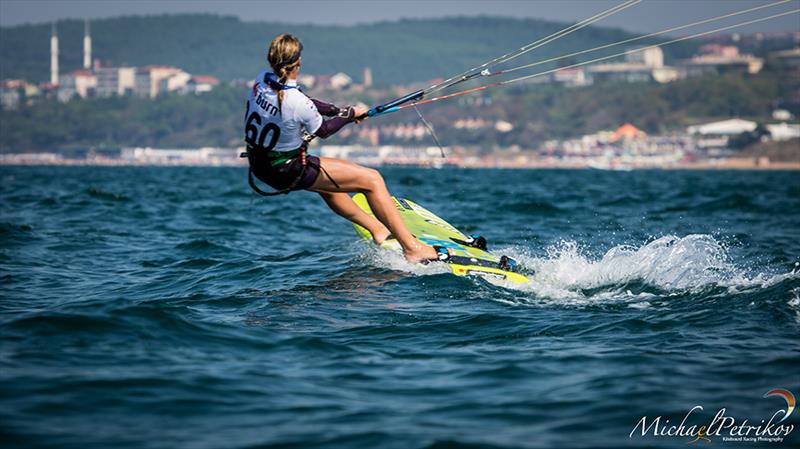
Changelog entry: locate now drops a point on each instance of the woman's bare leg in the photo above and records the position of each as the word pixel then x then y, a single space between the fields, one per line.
pixel 342 204
pixel 351 177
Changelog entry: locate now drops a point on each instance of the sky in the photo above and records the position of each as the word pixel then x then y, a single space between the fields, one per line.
pixel 648 16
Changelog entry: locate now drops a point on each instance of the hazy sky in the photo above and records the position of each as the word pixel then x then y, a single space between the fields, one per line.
pixel 650 15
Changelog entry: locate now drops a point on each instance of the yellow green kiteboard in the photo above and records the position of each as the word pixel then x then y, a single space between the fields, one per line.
pixel 469 257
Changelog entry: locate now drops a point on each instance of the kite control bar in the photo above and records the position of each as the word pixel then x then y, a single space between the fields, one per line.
pixel 392 105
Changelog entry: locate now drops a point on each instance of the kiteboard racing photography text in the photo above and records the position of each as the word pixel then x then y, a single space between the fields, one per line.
pixel 722 426
pixel 515 224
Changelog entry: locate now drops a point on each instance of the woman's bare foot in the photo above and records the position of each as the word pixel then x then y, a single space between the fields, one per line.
pixel 381 237
pixel 420 253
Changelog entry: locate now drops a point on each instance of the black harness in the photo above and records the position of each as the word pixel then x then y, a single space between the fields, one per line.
pixel 250 155
pixel 272 156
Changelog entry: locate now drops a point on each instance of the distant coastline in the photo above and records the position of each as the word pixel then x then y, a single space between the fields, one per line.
pixel 511 161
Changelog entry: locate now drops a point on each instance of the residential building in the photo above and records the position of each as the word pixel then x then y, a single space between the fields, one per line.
pixel 572 77
pixel 201 83
pixel 113 81
pixel 79 82
pixel 340 81
pixel 639 65
pixel 783 131
pixel 9 94
pixel 717 134
pixel 789 58
pixel 716 59
pixel 148 79
pixel 174 83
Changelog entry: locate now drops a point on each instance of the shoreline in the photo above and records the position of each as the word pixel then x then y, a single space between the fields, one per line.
pixel 734 165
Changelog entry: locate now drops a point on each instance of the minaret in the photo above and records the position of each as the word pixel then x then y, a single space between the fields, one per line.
pixel 54 56
pixel 367 77
pixel 87 47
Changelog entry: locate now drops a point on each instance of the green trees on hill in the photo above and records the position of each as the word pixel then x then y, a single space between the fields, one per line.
pixel 537 112
pixel 210 119
pixel 398 52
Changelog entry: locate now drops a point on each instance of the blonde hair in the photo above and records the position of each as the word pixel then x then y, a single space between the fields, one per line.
pixel 284 56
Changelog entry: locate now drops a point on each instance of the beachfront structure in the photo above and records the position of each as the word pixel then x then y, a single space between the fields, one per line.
pixel 623 148
pixel 180 156
pixel 731 127
pixel 783 131
pixel 717 134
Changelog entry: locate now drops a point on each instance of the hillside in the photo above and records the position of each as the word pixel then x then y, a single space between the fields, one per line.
pixel 398 52
pixel 537 113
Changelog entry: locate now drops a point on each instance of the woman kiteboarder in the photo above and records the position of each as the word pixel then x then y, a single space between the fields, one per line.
pixel 280 121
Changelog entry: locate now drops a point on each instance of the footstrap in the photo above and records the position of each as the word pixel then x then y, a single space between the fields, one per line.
pixel 506 263
pixel 441 253
pixel 474 240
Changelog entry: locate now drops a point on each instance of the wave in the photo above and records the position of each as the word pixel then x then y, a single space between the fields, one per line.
pixel 532 207
pixel 105 195
pixel 199 245
pixel 668 266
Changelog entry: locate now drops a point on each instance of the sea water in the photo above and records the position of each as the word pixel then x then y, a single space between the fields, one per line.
pixel 170 307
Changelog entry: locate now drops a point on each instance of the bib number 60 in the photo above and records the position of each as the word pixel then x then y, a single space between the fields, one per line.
pixel 255 137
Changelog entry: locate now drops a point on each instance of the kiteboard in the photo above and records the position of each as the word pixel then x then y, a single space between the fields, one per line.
pixel 469 255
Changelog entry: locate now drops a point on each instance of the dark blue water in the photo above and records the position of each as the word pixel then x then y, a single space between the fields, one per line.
pixel 169 307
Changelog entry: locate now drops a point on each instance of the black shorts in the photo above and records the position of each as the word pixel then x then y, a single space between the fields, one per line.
pixel 283 175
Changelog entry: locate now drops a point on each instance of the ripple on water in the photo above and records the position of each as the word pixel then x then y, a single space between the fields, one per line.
pixel 137 298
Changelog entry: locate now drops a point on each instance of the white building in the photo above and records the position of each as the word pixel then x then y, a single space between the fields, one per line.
pixel 639 65
pixel 306 80
pixel 176 156
pixel 79 82
pixel 783 131
pixel 175 82
pixel 717 59
pixel 148 79
pixel 9 96
pixel 113 81
pixel 787 57
pixel 367 77
pixel 201 83
pixel 340 81
pixel 732 127
pixel 572 77
pixel 650 57
pixel 717 134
